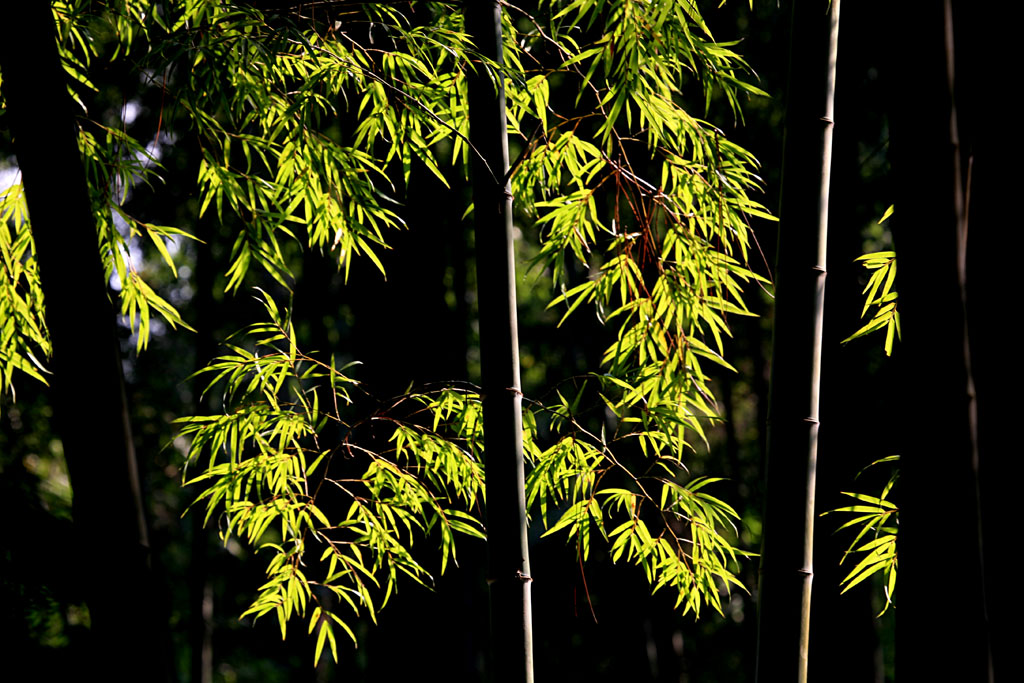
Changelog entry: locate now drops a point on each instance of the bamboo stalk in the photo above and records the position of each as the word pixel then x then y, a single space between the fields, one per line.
pixel 787 569
pixel 940 533
pixel 509 562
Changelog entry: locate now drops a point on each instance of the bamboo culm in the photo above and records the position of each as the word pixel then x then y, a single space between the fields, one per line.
pixel 786 573
pixel 508 553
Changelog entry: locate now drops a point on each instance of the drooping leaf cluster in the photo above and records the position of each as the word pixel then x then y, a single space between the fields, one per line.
pixel 653 203
pixel 876 519
pixel 24 342
pixel 879 293
pixel 267 473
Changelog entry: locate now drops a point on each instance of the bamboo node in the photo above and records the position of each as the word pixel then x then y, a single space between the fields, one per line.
pixel 520 576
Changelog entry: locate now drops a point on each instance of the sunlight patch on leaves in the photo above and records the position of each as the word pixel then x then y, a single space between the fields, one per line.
pixel 281 483
pixel 876 519
pixel 880 294
pixel 24 340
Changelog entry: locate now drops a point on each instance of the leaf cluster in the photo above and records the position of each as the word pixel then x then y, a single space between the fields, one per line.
pixel 879 293
pixel 646 514
pixel 23 337
pixel 876 519
pixel 267 471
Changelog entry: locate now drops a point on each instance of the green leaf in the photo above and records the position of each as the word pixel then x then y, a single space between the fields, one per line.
pixel 886 215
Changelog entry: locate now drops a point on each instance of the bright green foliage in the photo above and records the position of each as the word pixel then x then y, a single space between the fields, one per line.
pixel 673 267
pixel 118 161
pixel 23 337
pixel 874 546
pixel 259 95
pixel 683 549
pixel 880 294
pixel 115 161
pixel 263 465
pixel 312 123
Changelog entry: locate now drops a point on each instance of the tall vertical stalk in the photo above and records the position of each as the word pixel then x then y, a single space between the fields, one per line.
pixel 509 561
pixel 200 625
pixel 939 517
pixel 110 551
pixel 784 593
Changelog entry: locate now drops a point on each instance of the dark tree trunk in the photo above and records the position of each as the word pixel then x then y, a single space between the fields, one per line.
pixel 994 347
pixel 940 577
pixel 784 593
pixel 511 621
pixel 110 549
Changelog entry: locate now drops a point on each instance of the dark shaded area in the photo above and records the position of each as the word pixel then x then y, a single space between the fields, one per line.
pixel 96 434
pixel 946 155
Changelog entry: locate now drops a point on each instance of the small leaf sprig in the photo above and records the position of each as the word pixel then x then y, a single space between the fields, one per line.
pixel 877 521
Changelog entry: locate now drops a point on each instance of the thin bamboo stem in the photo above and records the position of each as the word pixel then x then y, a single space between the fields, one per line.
pixel 509 562
pixel 787 568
